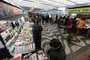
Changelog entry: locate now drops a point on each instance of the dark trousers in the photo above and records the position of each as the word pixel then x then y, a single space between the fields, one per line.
pixel 37 42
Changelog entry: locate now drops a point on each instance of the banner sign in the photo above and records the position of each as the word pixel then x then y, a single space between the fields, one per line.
pixel 73 10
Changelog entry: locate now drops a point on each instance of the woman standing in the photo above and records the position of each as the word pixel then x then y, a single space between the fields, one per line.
pixel 80 25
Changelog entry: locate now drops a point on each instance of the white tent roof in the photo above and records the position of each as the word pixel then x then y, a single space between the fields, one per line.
pixel 81 1
pixel 50 4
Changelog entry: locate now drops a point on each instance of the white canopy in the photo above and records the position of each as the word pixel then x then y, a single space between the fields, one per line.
pixel 50 4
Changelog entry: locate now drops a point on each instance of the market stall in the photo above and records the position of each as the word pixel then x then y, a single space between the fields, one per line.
pixel 82 12
pixel 19 40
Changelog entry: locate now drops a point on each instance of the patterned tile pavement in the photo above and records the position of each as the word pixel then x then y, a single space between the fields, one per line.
pixel 49 33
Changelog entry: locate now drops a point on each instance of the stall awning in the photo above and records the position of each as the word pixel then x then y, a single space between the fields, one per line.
pixel 83 9
pixel 51 4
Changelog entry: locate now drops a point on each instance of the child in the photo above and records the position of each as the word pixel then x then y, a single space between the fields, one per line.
pixel 56 52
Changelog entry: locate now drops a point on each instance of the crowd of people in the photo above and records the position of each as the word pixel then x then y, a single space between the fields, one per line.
pixel 75 24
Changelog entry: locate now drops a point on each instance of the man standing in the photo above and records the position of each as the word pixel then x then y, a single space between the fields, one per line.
pixel 37 29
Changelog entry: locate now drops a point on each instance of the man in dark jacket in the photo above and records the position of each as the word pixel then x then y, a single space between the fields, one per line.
pixel 66 20
pixel 37 29
pixel 56 52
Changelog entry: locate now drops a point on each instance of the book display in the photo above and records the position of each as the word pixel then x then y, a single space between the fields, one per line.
pixel 16 34
pixel 40 55
pixel 7 38
pixel 24 43
pixel 18 40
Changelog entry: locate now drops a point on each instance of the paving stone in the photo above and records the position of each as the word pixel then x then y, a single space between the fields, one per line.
pixel 75 48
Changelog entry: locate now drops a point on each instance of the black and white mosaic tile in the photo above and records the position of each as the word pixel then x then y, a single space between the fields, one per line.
pixel 74 46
